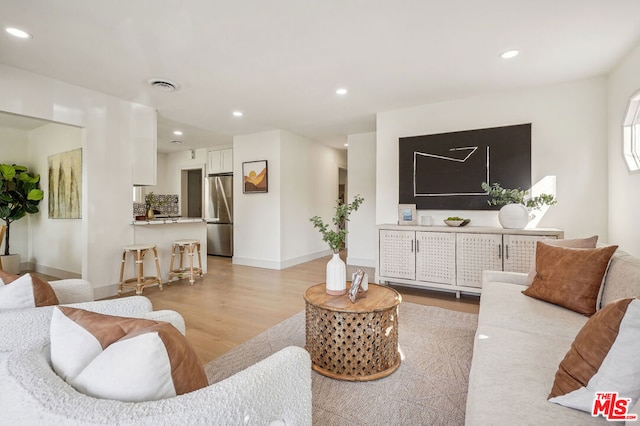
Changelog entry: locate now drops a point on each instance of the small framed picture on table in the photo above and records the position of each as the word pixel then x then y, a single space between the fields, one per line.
pixel 407 214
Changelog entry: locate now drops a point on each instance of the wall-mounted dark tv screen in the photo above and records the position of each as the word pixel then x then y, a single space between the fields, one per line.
pixel 445 171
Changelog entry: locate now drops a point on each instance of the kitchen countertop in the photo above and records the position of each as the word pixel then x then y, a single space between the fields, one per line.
pixel 167 221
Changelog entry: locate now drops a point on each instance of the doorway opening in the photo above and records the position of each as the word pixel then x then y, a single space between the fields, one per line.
pixel 191 192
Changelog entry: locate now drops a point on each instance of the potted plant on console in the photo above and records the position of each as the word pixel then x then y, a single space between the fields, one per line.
pixel 336 280
pixel 517 204
pixel 20 195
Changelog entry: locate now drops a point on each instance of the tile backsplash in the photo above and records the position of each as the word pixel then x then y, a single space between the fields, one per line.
pixel 168 206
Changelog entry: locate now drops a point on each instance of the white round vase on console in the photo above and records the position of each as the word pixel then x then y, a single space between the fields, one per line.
pixel 336 276
pixel 513 216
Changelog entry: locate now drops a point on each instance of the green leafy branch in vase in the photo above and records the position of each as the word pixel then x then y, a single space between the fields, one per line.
pixel 335 236
pixel 501 196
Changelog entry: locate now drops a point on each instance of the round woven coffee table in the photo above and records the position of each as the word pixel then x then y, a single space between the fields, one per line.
pixel 353 341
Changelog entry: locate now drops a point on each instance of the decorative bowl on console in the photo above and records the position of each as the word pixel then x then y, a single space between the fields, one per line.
pixel 456 221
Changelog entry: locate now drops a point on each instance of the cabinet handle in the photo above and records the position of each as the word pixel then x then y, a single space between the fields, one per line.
pixel 411 246
pixel 499 251
pixel 506 251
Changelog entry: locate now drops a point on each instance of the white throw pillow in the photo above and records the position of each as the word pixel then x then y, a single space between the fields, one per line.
pixel 125 359
pixel 25 291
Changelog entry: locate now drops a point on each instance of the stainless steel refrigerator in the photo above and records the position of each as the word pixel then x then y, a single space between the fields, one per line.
pixel 219 214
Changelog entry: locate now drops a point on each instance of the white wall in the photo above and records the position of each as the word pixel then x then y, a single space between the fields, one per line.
pixel 64 263
pixel 13 146
pixel 256 222
pixel 569 131
pixel 107 162
pixel 624 187
pixel 309 187
pixel 362 180
pixel 272 230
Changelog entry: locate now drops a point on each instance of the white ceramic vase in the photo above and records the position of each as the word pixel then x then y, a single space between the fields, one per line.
pixel 336 276
pixel 513 216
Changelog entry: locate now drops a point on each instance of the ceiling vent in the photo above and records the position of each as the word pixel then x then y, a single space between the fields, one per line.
pixel 176 142
pixel 164 85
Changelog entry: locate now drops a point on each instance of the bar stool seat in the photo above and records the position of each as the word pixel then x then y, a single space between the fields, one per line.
pixel 140 281
pixel 179 247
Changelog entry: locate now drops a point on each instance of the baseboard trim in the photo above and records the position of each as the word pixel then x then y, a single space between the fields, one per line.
pixel 54 272
pixel 278 265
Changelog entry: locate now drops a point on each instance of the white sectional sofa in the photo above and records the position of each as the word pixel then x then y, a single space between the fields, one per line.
pixel 520 341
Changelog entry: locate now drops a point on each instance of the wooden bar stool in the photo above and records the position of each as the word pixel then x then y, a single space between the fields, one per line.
pixel 179 247
pixel 139 281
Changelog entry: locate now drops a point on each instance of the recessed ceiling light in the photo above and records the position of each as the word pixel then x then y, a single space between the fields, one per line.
pixel 16 32
pixel 177 132
pixel 346 144
pixel 341 91
pixel 509 54
pixel 237 113
pixel 176 142
pixel 163 84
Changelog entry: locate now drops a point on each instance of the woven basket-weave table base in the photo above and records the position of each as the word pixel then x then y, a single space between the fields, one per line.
pixel 356 346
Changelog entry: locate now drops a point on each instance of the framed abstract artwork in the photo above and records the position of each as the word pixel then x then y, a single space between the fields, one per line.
pixel 65 185
pixel 255 177
pixel 445 171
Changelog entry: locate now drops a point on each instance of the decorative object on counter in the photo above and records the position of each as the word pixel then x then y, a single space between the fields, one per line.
pixel 426 220
pixel 65 185
pixel 168 206
pixel 153 204
pixel 456 221
pixel 407 214
pixel 336 281
pixel 517 204
pixel 20 195
pixel 255 177
pixel 359 285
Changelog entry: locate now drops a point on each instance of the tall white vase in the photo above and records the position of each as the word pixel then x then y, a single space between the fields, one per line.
pixel 513 216
pixel 336 276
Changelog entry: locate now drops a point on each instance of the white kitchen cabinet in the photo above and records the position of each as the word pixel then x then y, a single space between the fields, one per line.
pixel 221 161
pixel 144 145
pixel 453 259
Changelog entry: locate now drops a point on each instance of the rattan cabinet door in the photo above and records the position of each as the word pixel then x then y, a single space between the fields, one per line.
pixel 519 251
pixel 397 254
pixel 476 253
pixel 436 257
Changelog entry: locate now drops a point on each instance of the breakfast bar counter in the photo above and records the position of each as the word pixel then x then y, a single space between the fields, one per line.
pixel 163 232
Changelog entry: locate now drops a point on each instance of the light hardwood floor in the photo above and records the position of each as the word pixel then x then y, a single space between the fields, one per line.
pixel 233 303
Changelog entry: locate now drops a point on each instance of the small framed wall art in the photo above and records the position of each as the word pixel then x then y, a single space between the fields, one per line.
pixel 255 177
pixel 407 214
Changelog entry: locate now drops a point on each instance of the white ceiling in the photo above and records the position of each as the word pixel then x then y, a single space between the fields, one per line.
pixel 280 61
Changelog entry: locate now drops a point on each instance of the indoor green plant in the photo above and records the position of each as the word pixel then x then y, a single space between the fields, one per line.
pixel 20 195
pixel 517 204
pixel 334 235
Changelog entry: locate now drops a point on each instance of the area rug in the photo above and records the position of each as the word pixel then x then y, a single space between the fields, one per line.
pixel 429 387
